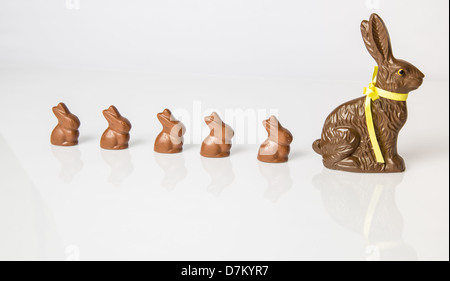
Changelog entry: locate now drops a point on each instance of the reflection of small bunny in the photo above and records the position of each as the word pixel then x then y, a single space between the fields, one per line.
pixel 66 132
pixel 345 143
pixel 170 140
pixel 221 173
pixel 120 163
pixel 117 135
pixel 278 178
pixel 174 169
pixel 70 159
pixel 276 147
pixel 218 143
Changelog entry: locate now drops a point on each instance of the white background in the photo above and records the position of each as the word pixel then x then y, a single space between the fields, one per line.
pixel 283 38
pixel 298 58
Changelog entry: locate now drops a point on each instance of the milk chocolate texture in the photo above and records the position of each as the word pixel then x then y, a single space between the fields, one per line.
pixel 276 148
pixel 218 143
pixel 117 134
pixel 66 132
pixel 345 143
pixel 170 140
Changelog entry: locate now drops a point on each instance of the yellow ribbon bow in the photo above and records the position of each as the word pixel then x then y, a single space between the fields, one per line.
pixel 373 93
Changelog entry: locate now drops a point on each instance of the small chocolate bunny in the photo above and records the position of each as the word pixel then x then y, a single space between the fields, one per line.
pixel 354 133
pixel 117 135
pixel 218 143
pixel 66 132
pixel 276 148
pixel 170 140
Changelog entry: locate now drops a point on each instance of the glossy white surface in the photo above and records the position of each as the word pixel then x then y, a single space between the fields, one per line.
pixel 296 59
pixel 86 203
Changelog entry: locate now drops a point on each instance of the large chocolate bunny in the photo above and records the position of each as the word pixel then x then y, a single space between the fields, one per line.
pixel 170 140
pixel 66 132
pixel 218 143
pixel 117 135
pixel 346 143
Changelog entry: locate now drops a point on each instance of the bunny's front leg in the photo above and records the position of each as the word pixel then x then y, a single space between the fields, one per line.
pixel 395 164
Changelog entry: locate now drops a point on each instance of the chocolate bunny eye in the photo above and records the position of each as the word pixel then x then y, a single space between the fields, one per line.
pixel 401 72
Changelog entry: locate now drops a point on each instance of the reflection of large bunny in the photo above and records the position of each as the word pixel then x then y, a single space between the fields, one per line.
pixel 366 204
pixel 66 132
pixel 117 135
pixel 170 140
pixel 345 143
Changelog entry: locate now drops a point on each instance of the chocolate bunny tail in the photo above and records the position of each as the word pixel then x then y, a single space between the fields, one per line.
pixel 316 147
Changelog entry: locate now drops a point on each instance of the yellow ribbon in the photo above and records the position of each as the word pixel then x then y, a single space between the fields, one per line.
pixel 373 93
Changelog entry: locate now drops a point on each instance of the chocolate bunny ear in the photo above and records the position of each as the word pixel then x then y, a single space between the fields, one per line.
pixel 166 118
pixel 274 121
pixel 214 117
pixel 61 111
pixel 167 112
pixel 111 114
pixel 61 108
pixel 376 38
